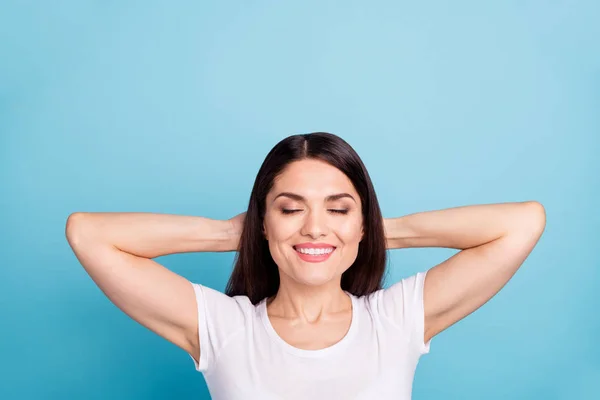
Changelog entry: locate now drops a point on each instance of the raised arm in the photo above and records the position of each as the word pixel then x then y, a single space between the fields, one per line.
pixel 495 240
pixel 116 250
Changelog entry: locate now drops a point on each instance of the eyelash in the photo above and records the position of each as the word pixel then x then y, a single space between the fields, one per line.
pixel 334 211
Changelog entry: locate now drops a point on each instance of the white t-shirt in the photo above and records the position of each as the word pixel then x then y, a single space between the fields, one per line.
pixel 242 356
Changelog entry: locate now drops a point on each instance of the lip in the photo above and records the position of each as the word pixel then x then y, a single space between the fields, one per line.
pixel 317 258
pixel 313 246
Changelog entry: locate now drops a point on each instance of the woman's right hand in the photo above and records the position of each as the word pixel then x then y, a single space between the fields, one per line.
pixel 236 226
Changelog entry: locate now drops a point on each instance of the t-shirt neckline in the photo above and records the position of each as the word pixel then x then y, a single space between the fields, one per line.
pixel 343 342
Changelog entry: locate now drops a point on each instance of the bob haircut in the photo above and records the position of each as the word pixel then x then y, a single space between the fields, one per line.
pixel 255 273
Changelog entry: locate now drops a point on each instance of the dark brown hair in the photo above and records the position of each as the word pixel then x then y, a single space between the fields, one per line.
pixel 255 273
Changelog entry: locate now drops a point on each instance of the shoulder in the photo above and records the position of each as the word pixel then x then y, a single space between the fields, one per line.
pixel 219 307
pixel 220 318
pixel 399 296
pixel 401 305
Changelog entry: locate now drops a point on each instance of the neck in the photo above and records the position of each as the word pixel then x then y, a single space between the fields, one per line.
pixel 309 304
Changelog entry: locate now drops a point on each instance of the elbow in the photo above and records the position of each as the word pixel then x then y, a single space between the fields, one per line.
pixel 73 227
pixel 535 216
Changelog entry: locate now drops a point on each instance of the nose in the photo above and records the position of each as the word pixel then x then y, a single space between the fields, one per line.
pixel 315 224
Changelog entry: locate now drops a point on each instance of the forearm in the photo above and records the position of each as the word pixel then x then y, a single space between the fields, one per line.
pixel 151 235
pixel 461 227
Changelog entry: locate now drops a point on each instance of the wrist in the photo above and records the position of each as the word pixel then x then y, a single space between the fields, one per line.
pixel 229 236
pixel 397 232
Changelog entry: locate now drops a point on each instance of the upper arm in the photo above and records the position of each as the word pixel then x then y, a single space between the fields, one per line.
pixel 461 284
pixel 149 293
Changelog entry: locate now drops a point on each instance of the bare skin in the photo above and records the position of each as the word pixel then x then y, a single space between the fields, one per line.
pixel 310 311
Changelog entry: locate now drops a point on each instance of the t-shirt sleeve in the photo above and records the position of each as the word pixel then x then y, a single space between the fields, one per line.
pixel 219 318
pixel 402 304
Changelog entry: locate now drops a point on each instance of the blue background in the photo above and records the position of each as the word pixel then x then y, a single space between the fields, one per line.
pixel 149 106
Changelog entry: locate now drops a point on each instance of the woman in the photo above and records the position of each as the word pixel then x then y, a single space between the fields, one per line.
pixel 305 314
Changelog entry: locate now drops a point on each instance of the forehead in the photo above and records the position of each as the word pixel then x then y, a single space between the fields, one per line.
pixel 312 178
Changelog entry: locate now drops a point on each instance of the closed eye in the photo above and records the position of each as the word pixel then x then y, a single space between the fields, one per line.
pixel 289 211
pixel 339 211
pixel 332 210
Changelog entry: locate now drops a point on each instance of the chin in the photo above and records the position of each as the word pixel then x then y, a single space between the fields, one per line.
pixel 313 278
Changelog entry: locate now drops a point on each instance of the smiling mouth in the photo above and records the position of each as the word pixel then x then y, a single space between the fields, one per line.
pixel 318 248
pixel 318 257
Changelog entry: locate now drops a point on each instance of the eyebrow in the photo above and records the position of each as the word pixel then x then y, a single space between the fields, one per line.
pixel 331 197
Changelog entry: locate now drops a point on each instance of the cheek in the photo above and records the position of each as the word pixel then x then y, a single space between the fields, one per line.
pixel 349 231
pixel 280 233
pixel 281 229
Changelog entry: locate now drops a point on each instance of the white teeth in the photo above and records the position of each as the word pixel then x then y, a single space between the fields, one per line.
pixel 313 251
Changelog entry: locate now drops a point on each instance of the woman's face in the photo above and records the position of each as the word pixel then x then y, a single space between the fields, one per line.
pixel 300 214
